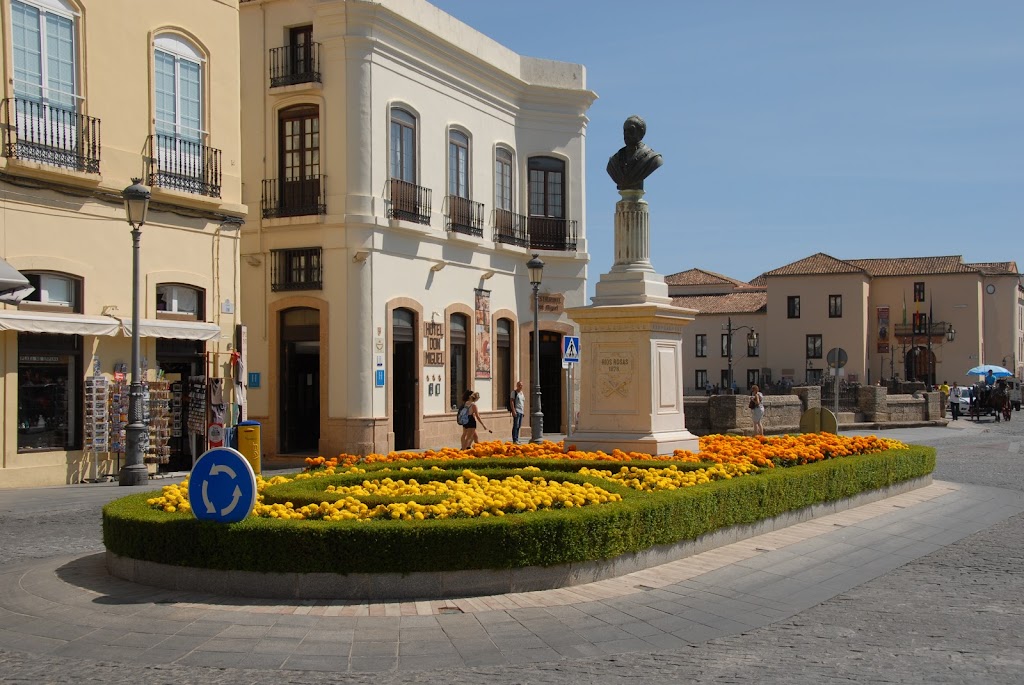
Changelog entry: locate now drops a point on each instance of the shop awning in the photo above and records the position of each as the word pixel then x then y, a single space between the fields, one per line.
pixel 14 287
pixel 66 324
pixel 166 328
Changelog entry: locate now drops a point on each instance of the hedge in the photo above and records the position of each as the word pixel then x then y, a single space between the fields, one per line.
pixel 641 520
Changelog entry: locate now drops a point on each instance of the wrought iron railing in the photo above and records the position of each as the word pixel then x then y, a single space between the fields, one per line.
pixel 293 197
pixel 293 64
pixel 509 228
pixel 181 164
pixel 408 201
pixel 847 393
pixel 49 134
pixel 296 269
pixel 906 330
pixel 546 233
pixel 464 216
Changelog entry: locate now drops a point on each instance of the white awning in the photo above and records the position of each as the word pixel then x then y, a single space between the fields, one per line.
pixel 66 324
pixel 14 287
pixel 167 328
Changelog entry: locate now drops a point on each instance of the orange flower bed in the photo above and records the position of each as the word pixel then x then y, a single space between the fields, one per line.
pixel 761 451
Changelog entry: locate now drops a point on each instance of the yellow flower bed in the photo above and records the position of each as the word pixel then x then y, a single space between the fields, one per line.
pixel 472 495
pixel 670 478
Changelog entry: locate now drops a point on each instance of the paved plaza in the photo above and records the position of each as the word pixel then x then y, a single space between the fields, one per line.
pixel 921 587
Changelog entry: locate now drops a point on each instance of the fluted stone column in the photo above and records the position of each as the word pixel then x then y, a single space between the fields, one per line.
pixel 632 279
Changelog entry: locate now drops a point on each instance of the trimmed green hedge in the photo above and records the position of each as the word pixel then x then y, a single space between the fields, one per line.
pixel 642 520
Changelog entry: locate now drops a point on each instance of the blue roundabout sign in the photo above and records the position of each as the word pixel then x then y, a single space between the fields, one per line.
pixel 222 486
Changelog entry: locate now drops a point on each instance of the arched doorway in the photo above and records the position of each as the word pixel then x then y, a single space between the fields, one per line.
pixel 300 381
pixel 551 390
pixel 404 379
pixel 919 365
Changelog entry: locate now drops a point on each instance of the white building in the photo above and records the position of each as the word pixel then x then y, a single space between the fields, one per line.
pixel 405 167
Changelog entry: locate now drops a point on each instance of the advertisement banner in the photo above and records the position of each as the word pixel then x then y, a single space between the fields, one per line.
pixel 883 330
pixel 483 333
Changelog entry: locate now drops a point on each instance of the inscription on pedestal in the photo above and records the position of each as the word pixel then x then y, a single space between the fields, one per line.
pixel 615 371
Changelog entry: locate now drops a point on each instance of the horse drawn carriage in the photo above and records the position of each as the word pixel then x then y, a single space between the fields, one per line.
pixel 991 400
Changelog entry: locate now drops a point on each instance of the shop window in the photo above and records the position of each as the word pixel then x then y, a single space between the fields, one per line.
pixel 53 291
pixel 49 392
pixel 179 302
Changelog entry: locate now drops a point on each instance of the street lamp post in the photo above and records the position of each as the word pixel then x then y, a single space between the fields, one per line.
pixel 536 267
pixel 136 205
pixel 751 342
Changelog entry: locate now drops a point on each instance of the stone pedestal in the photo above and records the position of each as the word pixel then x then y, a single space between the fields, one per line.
pixel 631 357
pixel 632 379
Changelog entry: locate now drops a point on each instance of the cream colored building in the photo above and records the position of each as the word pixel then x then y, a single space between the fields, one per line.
pixel 891 316
pixel 401 169
pixel 98 92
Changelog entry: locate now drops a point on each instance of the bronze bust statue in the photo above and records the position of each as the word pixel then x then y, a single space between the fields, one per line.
pixel 635 161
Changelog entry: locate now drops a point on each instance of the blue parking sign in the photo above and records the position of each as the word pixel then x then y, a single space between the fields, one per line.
pixel 222 486
pixel 570 348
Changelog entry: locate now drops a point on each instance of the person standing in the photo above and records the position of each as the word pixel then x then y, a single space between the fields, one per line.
pixel 756 409
pixel 517 407
pixel 944 393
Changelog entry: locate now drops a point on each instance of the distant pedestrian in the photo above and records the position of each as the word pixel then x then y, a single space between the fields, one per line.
pixel 707 388
pixel 517 407
pixel 469 435
pixel 756 409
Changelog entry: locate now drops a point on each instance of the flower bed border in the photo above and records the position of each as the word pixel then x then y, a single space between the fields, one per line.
pixel 313 559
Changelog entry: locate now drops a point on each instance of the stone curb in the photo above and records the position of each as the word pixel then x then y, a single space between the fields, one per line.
pixel 442 585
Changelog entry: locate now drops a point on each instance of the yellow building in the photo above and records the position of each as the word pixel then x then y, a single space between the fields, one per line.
pixel 916 318
pixel 98 92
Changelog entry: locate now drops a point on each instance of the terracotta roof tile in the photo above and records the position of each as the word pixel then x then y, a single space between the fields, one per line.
pixel 995 268
pixel 816 264
pixel 729 303
pixel 701 277
pixel 914 266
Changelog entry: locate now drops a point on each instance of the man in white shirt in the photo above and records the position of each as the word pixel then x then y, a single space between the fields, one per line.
pixel 517 407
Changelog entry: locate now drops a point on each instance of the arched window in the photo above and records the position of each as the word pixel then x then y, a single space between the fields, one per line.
pixel 174 301
pixel 178 85
pixel 458 164
pixel 503 199
pixel 403 145
pixel 61 291
pixel 45 56
pixel 458 358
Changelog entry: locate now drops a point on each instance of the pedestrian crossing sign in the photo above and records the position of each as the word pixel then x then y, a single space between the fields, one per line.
pixel 570 349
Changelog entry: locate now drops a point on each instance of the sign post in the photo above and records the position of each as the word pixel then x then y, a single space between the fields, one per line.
pixel 222 486
pixel 570 358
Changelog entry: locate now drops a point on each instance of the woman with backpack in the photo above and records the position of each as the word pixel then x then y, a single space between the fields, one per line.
pixel 471 415
pixel 756 409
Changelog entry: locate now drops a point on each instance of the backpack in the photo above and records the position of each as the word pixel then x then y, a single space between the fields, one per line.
pixel 512 403
pixel 463 416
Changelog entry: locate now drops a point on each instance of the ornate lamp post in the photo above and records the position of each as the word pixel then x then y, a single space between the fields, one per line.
pixel 536 267
pixel 751 342
pixel 136 205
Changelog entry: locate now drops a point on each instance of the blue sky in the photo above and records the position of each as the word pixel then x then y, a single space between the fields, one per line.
pixel 875 128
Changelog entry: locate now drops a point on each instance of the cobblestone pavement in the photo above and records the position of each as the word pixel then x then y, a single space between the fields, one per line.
pixel 951 616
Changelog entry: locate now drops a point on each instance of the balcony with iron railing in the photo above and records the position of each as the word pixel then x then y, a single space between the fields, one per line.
pixel 293 64
pixel 937 329
pixel 464 216
pixel 50 134
pixel 534 232
pixel 293 197
pixel 182 164
pixel 408 201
